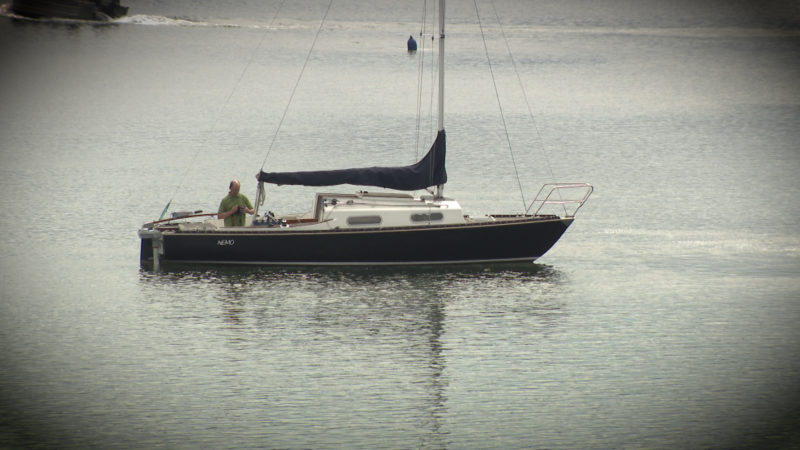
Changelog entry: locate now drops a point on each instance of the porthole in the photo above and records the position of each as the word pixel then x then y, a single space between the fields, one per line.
pixel 432 217
pixel 364 220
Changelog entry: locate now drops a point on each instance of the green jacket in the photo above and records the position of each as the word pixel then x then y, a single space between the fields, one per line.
pixel 238 219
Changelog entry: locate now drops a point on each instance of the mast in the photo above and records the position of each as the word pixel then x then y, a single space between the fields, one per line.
pixel 440 187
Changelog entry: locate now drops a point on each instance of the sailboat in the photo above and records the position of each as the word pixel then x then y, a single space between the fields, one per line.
pixel 393 227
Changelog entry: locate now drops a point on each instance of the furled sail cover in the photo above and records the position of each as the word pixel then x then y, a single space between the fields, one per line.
pixel 429 171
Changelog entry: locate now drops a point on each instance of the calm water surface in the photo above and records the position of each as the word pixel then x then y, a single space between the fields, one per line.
pixel 666 317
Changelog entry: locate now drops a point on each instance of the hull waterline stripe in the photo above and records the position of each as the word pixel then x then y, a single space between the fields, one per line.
pixel 364 263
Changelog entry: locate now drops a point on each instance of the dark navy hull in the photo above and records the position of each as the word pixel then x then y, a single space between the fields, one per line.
pixel 69 9
pixel 502 241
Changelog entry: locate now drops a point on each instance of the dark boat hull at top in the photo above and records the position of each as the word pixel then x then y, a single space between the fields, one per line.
pixel 70 9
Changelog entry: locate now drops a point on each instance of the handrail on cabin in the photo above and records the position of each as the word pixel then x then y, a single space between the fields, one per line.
pixel 571 196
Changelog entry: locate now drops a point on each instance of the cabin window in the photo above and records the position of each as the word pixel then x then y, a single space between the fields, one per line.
pixel 364 220
pixel 432 217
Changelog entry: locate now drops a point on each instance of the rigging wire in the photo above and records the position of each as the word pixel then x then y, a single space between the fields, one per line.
pixel 224 105
pixel 424 33
pixel 433 84
pixel 432 133
pixel 434 75
pixel 500 106
pixel 296 84
pixel 522 88
pixel 527 103
pixel 420 72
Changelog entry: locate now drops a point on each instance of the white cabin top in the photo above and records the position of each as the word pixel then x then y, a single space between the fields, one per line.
pixel 371 210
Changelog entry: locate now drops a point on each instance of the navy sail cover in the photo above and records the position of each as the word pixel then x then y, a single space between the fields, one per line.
pixel 429 171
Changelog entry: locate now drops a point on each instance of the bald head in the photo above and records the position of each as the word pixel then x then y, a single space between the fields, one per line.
pixel 233 188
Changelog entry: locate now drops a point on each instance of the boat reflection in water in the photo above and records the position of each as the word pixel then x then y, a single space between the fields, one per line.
pixel 345 347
